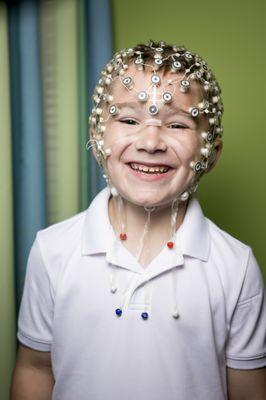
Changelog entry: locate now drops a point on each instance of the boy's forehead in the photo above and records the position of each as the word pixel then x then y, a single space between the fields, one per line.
pixel 141 81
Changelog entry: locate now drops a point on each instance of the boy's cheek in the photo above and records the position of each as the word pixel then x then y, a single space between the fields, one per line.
pixel 185 149
pixel 118 140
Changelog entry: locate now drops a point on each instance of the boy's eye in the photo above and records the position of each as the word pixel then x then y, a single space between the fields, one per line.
pixel 129 121
pixel 177 126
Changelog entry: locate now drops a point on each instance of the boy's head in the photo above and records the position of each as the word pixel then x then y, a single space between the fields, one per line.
pixel 156 122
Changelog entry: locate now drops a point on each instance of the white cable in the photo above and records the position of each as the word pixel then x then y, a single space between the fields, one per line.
pixel 145 231
pixel 175 312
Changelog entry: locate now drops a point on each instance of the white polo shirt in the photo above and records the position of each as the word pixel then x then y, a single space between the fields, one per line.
pixel 210 278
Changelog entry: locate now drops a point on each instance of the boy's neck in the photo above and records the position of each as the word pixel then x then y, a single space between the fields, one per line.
pixel 135 217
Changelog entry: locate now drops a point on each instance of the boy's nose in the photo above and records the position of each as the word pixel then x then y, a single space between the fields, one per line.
pixel 151 140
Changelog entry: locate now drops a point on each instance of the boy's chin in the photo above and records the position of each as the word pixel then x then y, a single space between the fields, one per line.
pixel 148 200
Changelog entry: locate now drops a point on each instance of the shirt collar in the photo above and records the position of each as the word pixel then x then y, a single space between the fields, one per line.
pixel 97 227
pixel 194 231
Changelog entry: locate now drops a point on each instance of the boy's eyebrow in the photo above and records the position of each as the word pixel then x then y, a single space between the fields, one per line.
pixel 132 105
pixel 176 110
pixel 169 109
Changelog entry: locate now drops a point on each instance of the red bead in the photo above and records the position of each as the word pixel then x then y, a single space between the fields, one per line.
pixel 170 245
pixel 123 236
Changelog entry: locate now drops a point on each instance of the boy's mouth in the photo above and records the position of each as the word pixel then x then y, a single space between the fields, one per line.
pixel 147 169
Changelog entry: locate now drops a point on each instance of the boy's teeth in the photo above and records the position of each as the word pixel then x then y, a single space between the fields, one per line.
pixel 152 170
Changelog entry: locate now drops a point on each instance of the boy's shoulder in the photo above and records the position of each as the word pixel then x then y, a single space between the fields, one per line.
pixel 236 265
pixel 231 256
pixel 62 236
pixel 234 260
pixel 222 239
pixel 204 239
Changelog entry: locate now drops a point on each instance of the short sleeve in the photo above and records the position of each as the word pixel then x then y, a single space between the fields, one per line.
pixel 246 344
pixel 36 309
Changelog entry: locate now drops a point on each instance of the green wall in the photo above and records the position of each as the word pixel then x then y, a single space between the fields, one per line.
pixel 230 35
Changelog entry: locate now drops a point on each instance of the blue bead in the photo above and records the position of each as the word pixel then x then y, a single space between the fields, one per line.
pixel 144 315
pixel 118 312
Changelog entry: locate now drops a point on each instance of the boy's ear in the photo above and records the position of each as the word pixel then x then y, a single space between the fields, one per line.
pixel 218 145
pixel 91 131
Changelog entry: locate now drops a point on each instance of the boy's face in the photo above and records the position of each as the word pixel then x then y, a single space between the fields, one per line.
pixel 151 155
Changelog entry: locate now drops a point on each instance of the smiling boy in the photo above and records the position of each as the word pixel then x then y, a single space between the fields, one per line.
pixel 141 296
